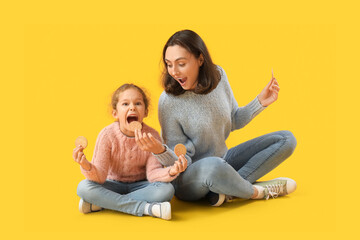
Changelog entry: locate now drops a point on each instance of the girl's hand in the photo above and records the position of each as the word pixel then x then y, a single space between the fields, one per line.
pixel 270 93
pixel 80 158
pixel 179 166
pixel 147 142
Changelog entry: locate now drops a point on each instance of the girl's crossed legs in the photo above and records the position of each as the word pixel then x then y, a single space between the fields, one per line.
pixel 129 198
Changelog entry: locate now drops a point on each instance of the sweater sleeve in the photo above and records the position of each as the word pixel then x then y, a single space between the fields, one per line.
pixel 101 159
pixel 241 116
pixel 172 134
pixel 155 172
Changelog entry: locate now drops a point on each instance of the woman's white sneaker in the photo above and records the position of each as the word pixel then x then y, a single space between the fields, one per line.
pixel 277 187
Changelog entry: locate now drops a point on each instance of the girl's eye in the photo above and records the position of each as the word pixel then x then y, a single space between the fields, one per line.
pixel 138 103
pixel 125 104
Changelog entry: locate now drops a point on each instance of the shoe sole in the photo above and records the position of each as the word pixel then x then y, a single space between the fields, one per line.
pixel 220 201
pixel 164 209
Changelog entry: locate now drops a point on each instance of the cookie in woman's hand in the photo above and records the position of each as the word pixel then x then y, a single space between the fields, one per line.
pixel 180 149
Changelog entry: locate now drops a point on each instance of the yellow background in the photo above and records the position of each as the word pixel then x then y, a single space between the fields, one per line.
pixel 60 62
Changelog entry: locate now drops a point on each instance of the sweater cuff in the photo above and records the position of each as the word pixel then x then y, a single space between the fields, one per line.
pixel 166 158
pixel 255 107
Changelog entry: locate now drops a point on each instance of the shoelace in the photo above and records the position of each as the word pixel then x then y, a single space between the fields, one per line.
pixel 274 190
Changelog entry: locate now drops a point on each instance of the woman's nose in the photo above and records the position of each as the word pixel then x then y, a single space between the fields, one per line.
pixel 175 72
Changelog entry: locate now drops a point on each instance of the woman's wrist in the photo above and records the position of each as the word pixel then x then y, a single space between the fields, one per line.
pixel 260 101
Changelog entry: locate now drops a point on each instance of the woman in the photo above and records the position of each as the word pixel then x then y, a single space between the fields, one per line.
pixel 198 109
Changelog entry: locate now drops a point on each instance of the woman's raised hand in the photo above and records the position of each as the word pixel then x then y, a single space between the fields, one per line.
pixel 179 166
pixel 270 93
pixel 147 142
pixel 80 158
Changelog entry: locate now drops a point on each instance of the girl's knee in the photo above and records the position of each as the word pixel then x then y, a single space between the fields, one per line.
pixel 164 192
pixel 84 188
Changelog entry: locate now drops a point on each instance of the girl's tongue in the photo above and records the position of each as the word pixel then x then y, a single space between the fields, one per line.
pixel 131 119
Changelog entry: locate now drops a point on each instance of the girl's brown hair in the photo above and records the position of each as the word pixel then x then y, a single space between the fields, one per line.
pixel 209 75
pixel 124 87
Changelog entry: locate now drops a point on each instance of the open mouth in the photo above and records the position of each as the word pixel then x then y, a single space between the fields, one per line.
pixel 130 119
pixel 182 80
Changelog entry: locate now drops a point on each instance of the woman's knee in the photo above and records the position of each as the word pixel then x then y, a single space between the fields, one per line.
pixel 290 142
pixel 215 167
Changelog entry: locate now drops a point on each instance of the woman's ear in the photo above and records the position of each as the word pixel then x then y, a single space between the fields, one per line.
pixel 201 59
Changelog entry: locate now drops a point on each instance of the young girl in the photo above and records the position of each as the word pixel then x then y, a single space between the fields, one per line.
pixel 124 175
pixel 198 109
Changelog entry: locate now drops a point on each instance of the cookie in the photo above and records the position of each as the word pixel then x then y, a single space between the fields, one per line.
pixel 135 125
pixel 81 141
pixel 180 149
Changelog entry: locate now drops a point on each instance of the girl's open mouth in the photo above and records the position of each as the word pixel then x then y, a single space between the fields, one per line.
pixel 130 119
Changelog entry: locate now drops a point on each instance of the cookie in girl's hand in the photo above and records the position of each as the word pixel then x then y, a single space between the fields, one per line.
pixel 180 149
pixel 81 141
pixel 135 125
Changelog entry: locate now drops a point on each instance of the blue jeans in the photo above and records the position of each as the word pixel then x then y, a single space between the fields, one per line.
pixel 125 197
pixel 234 174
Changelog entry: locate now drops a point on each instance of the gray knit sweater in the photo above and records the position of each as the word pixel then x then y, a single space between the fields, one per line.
pixel 202 122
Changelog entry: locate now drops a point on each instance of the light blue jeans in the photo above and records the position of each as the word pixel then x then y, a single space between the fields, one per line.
pixel 234 174
pixel 125 197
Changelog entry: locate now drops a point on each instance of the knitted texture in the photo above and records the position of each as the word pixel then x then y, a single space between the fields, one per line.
pixel 117 157
pixel 202 122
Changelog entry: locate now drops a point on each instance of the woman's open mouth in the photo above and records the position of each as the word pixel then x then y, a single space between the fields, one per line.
pixel 182 81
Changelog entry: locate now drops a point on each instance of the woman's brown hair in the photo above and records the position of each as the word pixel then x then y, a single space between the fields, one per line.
pixel 209 75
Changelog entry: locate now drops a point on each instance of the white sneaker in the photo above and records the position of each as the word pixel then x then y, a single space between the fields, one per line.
pixel 160 210
pixel 85 207
pixel 277 187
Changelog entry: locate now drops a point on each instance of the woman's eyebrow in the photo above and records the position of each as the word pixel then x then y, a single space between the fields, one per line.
pixel 180 58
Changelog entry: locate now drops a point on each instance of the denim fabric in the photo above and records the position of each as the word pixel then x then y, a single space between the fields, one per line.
pixel 241 166
pixel 124 197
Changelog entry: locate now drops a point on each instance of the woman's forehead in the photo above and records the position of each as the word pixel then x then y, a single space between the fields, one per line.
pixel 176 52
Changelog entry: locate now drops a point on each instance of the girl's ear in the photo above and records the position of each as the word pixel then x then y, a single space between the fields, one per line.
pixel 146 113
pixel 115 115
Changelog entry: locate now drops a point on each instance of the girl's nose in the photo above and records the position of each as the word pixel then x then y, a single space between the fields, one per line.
pixel 132 106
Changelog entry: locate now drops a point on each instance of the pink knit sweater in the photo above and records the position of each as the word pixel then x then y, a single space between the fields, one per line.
pixel 117 157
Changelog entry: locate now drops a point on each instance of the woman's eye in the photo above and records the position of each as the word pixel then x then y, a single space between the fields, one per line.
pixel 182 64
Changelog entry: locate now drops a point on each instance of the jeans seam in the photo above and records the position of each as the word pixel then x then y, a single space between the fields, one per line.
pixel 267 159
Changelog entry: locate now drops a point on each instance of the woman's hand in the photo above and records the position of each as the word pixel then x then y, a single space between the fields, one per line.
pixel 270 93
pixel 147 142
pixel 179 166
pixel 80 158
